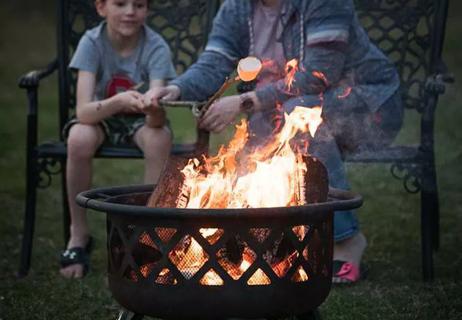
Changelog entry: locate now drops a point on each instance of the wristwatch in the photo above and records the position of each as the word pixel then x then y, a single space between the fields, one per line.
pixel 247 105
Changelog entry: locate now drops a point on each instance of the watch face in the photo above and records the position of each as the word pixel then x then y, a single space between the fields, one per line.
pixel 247 104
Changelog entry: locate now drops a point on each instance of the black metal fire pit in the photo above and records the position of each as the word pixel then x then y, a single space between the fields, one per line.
pixel 259 263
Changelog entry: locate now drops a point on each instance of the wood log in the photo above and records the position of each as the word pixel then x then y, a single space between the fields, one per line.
pixel 316 180
pixel 169 186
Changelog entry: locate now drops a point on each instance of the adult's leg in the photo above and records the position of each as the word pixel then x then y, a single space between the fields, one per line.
pixel 156 144
pixel 82 143
pixel 349 241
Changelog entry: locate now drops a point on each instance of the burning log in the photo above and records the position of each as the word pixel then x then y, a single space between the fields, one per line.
pixel 169 192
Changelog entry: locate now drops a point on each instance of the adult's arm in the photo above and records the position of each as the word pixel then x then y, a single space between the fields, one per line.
pixel 327 25
pixel 219 59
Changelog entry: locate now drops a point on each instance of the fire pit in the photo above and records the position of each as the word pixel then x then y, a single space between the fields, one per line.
pixel 176 263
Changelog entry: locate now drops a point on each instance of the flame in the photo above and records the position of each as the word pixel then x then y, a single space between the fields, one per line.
pixel 345 93
pixel 321 76
pixel 291 69
pixel 271 175
pixel 265 178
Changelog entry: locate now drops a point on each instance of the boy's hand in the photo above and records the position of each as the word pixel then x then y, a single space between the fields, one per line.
pixel 129 102
pixel 168 93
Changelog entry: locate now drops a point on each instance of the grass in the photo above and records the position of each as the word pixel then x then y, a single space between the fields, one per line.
pixel 389 217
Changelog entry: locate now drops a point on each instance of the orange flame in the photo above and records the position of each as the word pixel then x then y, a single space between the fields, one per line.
pixel 321 76
pixel 345 93
pixel 265 178
pixel 291 69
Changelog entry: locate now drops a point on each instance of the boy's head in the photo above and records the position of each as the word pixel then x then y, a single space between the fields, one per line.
pixel 125 17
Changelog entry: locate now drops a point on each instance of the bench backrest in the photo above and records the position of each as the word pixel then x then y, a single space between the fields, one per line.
pixel 411 33
pixel 184 24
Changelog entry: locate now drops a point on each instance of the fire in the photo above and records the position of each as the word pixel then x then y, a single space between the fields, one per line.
pixel 345 93
pixel 271 175
pixel 264 178
pixel 291 69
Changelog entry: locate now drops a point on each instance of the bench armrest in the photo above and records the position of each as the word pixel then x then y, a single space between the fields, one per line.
pixel 436 83
pixel 32 78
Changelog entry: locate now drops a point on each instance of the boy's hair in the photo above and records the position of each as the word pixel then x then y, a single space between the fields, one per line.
pixel 148 2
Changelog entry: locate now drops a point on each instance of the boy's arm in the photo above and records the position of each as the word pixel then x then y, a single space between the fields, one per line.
pixel 92 112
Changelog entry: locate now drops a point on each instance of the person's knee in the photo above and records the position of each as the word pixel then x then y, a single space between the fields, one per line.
pixel 83 141
pixel 155 142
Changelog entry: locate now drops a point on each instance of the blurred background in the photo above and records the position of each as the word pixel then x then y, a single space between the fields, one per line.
pixel 391 222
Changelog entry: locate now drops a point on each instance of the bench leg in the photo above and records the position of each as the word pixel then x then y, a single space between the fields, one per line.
pixel 29 216
pixel 66 213
pixel 429 219
pixel 127 315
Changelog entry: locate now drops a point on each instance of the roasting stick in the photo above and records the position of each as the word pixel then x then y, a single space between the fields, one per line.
pixel 247 70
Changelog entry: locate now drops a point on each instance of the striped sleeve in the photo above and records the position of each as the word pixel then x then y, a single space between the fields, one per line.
pixel 329 21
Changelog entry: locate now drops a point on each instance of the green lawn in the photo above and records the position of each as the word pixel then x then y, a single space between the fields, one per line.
pixel 389 217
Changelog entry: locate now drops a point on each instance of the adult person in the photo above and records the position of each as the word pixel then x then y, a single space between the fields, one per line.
pixel 338 67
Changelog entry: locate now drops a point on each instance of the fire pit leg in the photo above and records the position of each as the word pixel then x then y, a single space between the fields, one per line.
pixel 128 315
pixel 312 315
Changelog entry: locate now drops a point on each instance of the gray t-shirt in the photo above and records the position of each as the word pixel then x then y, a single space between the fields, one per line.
pixel 150 60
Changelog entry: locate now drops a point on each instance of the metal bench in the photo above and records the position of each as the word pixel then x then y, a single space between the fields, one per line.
pixel 411 33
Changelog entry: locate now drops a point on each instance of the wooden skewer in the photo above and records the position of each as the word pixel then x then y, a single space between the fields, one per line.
pixel 217 94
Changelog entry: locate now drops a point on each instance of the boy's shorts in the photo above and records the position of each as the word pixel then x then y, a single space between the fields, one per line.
pixel 118 130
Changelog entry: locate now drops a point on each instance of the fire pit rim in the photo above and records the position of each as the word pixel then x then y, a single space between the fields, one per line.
pixel 98 199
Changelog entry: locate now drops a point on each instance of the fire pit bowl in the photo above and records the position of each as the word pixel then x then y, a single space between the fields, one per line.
pixel 217 263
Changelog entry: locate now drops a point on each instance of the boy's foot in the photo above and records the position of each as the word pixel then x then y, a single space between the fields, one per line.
pixel 75 260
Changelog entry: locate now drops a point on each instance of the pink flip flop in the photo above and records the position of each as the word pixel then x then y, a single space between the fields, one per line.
pixel 347 272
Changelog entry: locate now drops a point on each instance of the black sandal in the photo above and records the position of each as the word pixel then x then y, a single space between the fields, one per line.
pixel 77 255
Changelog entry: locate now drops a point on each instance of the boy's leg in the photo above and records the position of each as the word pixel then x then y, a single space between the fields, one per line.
pixel 155 144
pixel 82 143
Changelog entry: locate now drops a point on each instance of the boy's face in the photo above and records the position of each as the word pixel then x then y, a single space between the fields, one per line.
pixel 124 17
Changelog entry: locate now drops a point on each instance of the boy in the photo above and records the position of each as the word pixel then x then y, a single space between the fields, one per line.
pixel 112 59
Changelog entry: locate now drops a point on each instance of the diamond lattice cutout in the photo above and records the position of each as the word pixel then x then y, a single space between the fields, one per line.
pixel 165 234
pixel 260 234
pixel 281 256
pixel 305 253
pixel 211 278
pixel 236 257
pixel 165 276
pixel 188 256
pixel 300 232
pixel 300 275
pixel 146 254
pixel 212 235
pixel 130 274
pixel 117 250
pixel 259 278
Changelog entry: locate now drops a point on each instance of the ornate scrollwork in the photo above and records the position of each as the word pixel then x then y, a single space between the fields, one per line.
pixel 410 173
pixel 402 29
pixel 46 167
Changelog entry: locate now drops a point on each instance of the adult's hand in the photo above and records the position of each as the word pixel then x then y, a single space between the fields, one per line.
pixel 168 93
pixel 220 114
